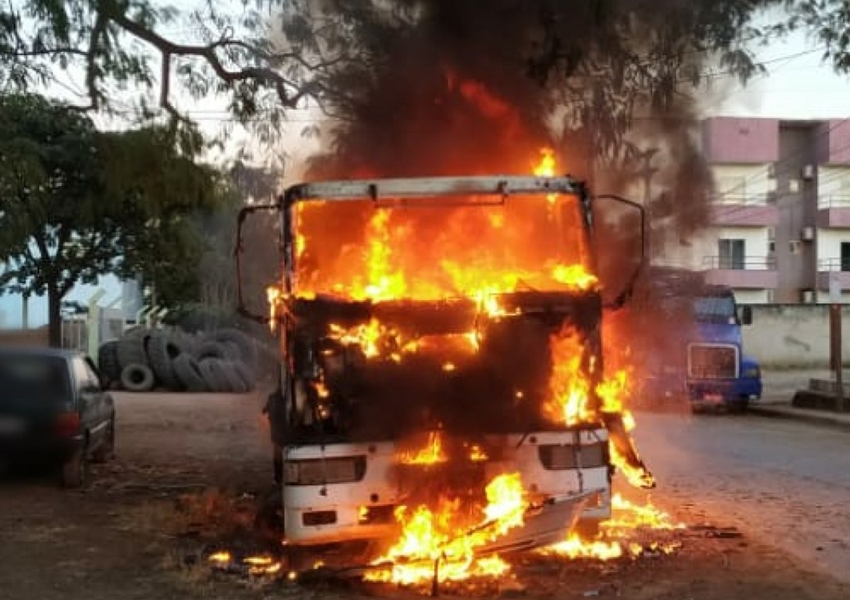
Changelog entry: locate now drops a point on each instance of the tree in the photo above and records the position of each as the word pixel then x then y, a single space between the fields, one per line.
pixel 828 21
pixel 76 203
pixel 120 43
pixel 268 56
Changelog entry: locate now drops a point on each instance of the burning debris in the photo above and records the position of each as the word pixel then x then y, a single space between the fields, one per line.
pixel 621 536
pixel 450 544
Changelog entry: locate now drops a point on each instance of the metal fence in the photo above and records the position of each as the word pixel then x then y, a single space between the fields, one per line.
pixel 740 263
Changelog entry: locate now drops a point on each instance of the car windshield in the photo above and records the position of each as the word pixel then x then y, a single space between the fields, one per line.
pixel 715 309
pixel 34 378
pixel 430 251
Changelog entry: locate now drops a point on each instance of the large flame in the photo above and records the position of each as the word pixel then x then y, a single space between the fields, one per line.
pixel 447 537
pixel 365 250
pixel 619 535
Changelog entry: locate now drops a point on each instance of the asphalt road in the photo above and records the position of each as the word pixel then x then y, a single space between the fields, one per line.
pixel 784 482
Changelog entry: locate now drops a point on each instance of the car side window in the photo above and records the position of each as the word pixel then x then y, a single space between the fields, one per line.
pixel 94 376
pixel 83 376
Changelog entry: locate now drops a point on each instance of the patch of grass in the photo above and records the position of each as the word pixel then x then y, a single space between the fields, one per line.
pixel 210 514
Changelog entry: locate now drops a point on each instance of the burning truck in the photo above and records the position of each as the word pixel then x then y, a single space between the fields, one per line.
pixel 442 390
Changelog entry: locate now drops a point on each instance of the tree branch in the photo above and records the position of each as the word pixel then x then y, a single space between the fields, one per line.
pixel 209 54
pixel 91 59
pixel 15 53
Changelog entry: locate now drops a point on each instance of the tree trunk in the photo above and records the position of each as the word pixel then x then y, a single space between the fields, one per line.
pixel 54 317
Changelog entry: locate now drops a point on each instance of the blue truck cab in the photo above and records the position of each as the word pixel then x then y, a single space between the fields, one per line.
pixel 717 371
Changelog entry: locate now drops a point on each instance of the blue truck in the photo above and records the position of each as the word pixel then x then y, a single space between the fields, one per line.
pixel 704 359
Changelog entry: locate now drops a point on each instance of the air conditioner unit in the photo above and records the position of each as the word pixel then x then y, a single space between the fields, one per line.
pixel 808 172
pixel 807 234
pixel 808 296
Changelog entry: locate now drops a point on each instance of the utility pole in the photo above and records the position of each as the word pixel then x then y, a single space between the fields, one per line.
pixel 25 311
pixel 835 337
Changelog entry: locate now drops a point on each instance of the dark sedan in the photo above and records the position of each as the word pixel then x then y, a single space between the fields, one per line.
pixel 53 407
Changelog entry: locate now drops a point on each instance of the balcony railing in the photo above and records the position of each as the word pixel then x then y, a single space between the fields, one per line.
pixel 741 199
pixel 745 272
pixel 833 264
pixel 742 263
pixel 831 201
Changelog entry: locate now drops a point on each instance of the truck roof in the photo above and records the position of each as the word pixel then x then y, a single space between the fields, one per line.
pixel 423 187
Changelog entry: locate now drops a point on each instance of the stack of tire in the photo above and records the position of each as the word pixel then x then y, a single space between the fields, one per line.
pixel 146 359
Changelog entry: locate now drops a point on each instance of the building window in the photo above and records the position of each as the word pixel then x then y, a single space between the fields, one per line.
pixel 845 256
pixel 731 254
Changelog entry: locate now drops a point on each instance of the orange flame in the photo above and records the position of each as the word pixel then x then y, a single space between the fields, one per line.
pixel 616 534
pixel 546 168
pixel 431 454
pixel 428 536
pixel 365 251
pixel 274 295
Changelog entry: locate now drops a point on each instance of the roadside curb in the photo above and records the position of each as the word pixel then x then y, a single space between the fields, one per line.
pixel 783 412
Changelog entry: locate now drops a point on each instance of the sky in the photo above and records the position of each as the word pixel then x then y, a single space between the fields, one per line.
pixel 797 85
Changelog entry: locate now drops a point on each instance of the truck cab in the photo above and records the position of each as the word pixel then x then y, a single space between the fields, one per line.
pixel 434 333
pixel 718 371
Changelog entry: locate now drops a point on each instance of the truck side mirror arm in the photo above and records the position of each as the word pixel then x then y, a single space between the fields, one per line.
pixel 628 290
pixel 238 249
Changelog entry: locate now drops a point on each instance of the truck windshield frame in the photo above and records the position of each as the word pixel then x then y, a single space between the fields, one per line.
pixel 429 193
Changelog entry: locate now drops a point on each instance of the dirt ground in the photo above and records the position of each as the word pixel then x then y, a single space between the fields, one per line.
pixel 190 472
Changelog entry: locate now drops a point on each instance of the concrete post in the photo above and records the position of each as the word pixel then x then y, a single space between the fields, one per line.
pixel 93 324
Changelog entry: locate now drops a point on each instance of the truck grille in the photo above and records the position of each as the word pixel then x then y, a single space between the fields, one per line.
pixel 712 361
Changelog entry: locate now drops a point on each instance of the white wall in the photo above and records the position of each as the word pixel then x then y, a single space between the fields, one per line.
pixel 786 335
pixel 736 184
pixel 829 242
pixel 834 186
pixel 751 296
pixel 823 298
pixel 755 239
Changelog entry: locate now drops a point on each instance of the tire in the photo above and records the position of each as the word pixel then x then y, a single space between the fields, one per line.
pixel 131 348
pixel 741 407
pixel 234 381
pixel 232 351
pixel 210 350
pixel 137 378
pixel 107 361
pixel 106 451
pixel 214 380
pixel 75 470
pixel 247 350
pixel 245 375
pixel 161 351
pixel 189 374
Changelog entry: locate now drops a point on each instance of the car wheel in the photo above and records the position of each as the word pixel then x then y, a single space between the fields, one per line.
pixel 75 470
pixel 741 406
pixel 107 448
